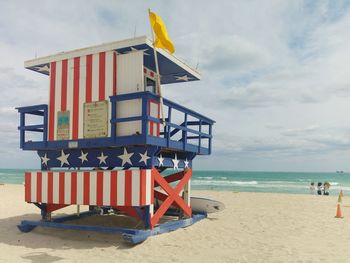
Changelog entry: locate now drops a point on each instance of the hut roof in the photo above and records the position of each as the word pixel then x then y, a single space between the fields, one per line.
pixel 172 69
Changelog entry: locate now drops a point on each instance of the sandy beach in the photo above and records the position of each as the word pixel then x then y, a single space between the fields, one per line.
pixel 254 227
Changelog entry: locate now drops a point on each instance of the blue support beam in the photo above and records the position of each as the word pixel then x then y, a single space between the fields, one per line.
pixel 133 236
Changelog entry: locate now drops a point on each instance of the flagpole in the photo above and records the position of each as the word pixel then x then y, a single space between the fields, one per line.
pixel 159 89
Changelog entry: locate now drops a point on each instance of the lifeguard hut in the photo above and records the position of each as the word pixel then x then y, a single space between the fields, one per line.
pixel 103 142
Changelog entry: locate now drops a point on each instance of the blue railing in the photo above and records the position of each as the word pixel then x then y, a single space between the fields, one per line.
pixel 186 142
pixel 37 110
pixel 186 134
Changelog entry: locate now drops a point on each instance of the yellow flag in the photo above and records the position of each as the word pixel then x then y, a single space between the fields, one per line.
pixel 162 39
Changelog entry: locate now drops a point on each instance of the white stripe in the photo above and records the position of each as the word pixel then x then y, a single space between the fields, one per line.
pixel 135 185
pixel 82 94
pixel 55 188
pixel 107 188
pixel 95 76
pixel 58 91
pixel 33 197
pixel 148 186
pixel 93 185
pixel 155 129
pixel 44 187
pixel 70 76
pixel 151 210
pixel 109 74
pixel 80 188
pixel 120 188
pixel 67 188
pixel 109 84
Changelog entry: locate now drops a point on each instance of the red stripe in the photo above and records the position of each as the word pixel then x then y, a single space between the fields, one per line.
pixel 64 85
pixel 99 188
pixel 142 187
pixel 52 100
pixel 114 74
pixel 86 188
pixel 144 70
pixel 128 189
pixel 28 186
pixel 76 98
pixel 88 95
pixel 61 188
pixel 113 198
pixel 38 187
pixel 102 76
pixel 73 189
pixel 49 187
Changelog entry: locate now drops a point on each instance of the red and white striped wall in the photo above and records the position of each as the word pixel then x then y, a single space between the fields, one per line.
pixel 89 78
pixel 76 81
pixel 110 188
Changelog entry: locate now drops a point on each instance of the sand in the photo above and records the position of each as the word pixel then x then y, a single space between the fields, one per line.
pixel 255 227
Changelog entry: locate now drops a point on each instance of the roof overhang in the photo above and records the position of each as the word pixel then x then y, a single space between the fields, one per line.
pixel 172 69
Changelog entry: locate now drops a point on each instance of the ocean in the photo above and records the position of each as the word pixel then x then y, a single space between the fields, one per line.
pixel 272 182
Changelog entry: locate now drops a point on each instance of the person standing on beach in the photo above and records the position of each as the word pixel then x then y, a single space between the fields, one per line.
pixel 312 188
pixel 319 188
pixel 326 187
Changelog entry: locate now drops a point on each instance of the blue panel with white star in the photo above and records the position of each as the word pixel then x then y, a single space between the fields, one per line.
pixel 124 157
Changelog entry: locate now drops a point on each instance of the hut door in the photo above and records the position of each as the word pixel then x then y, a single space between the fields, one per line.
pixel 129 80
pixel 130 73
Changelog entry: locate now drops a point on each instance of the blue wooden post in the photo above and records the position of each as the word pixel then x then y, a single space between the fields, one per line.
pixel 168 129
pixel 210 138
pixel 144 99
pixel 22 131
pixel 200 137
pixel 45 124
pixel 184 133
pixel 113 117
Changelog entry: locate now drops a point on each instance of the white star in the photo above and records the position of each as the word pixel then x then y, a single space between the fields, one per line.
pixel 144 158
pixel 63 158
pixel 83 157
pixel 126 157
pixel 186 163
pixel 160 160
pixel 135 49
pixel 44 159
pixel 44 69
pixel 176 162
pixel 184 78
pixel 102 158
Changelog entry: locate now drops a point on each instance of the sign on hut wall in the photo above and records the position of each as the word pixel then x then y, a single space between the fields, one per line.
pixel 96 119
pixel 63 125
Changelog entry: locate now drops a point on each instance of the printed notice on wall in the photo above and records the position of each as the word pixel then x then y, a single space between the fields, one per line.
pixel 63 125
pixel 96 119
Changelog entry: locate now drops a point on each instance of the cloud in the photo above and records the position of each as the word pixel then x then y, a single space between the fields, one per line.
pixel 234 54
pixel 275 75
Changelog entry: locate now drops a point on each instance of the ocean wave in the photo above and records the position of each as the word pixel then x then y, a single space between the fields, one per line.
pixel 205 177
pixel 221 183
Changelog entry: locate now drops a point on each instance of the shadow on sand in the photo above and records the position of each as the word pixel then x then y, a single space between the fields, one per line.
pixel 62 239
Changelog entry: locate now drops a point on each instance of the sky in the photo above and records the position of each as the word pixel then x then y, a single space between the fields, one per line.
pixel 275 74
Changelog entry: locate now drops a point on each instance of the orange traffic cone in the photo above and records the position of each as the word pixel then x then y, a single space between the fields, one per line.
pixel 339 213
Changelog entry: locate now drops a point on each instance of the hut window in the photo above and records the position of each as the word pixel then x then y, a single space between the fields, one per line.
pixel 150 85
